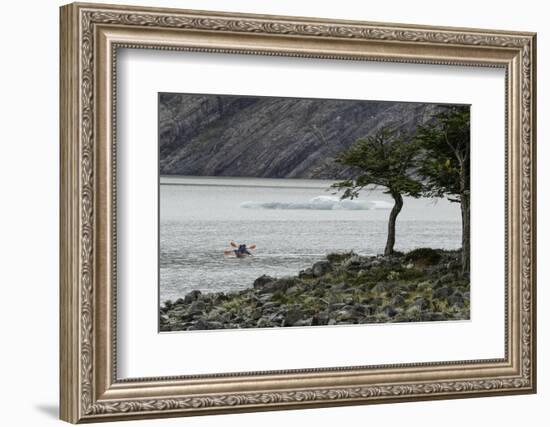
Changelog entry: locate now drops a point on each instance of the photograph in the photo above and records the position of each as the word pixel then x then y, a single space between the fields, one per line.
pixel 286 212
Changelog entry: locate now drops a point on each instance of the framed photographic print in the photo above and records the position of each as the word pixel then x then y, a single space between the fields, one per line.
pixel 264 212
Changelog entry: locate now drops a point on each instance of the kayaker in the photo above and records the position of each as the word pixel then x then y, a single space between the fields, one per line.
pixel 240 251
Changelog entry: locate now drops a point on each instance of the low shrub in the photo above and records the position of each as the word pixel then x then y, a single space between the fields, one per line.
pixel 338 258
pixel 426 256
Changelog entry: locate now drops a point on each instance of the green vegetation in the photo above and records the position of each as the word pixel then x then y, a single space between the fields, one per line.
pixel 426 256
pixel 344 289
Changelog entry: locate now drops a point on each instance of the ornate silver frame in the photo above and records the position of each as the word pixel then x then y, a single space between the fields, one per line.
pixel 90 36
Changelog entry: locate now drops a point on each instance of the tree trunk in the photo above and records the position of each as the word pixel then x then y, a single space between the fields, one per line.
pixel 398 204
pixel 465 211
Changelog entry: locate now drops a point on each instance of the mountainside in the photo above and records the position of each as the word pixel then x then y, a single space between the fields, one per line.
pixel 213 135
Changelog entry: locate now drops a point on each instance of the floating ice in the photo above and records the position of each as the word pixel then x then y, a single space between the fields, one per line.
pixel 323 203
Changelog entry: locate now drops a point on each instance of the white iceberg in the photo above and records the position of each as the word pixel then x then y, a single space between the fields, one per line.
pixel 323 203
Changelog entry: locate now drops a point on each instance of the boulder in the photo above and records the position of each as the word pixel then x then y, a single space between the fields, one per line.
pixel 369 310
pixel 437 317
pixel 197 306
pixel 319 292
pixel 308 272
pixel 215 325
pixel 264 322
pixel 454 265
pixel 412 311
pixel 358 310
pixel 389 311
pixel 456 300
pixel 261 281
pixel 265 298
pixel 277 318
pixel 218 314
pixel 421 303
pixel 353 263
pixel 410 287
pixel 339 258
pixel 192 296
pixel 398 300
pixel 219 297
pixel 376 301
pixel 381 287
pixel 294 314
pixel 344 315
pixel 442 292
pixel 430 316
pixel 398 289
pixel 337 286
pixel 304 322
pixel 348 300
pixel 201 325
pixel 187 317
pixel 270 306
pixel 320 319
pixel 447 278
pixel 375 263
pixel 333 306
pixel 321 268
pixel 274 285
pixel 255 314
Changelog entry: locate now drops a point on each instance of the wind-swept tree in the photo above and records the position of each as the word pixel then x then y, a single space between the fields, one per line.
pixel 384 159
pixel 446 164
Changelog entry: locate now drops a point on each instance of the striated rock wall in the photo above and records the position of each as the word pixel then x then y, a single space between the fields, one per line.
pixel 215 135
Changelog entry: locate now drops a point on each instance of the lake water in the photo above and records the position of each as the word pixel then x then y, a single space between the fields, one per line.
pixel 294 223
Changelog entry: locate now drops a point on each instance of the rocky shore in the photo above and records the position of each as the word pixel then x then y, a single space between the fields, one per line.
pixel 422 285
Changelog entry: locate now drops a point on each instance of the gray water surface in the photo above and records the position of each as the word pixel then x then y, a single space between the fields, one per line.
pixel 293 223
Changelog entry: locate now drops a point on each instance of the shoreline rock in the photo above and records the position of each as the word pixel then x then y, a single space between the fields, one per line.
pixel 346 288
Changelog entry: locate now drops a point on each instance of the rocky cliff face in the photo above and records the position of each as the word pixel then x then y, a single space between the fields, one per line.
pixel 240 136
